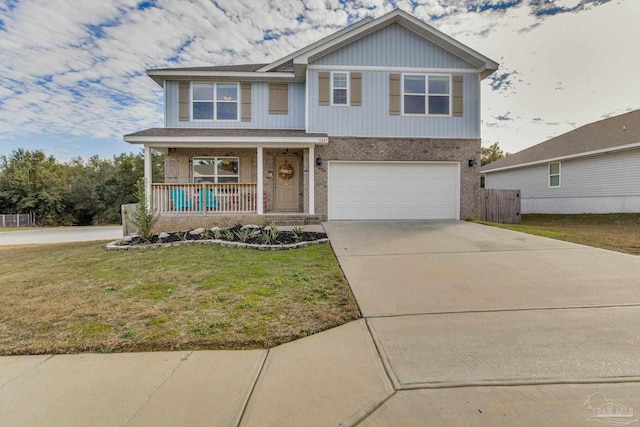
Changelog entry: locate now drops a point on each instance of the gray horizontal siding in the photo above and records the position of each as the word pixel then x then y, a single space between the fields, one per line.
pixel 260 117
pixel 373 119
pixel 393 46
pixel 607 175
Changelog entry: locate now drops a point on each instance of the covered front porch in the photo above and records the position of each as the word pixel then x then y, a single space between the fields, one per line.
pixel 219 176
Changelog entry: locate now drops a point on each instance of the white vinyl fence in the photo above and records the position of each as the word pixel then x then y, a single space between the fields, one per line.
pixel 15 220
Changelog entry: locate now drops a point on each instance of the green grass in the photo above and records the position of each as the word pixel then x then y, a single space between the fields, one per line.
pixel 617 232
pixel 80 297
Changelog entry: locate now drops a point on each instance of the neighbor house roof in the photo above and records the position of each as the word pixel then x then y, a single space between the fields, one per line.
pixel 611 134
pixel 292 67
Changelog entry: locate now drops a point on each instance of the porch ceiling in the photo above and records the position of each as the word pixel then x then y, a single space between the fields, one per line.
pixel 200 137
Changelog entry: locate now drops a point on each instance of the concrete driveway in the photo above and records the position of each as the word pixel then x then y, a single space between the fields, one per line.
pixel 32 236
pixel 465 325
pixel 482 326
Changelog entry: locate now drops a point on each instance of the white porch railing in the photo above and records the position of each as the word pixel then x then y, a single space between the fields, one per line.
pixel 205 198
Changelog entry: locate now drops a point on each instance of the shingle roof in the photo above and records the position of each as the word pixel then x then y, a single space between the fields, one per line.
pixel 222 132
pixel 237 68
pixel 608 133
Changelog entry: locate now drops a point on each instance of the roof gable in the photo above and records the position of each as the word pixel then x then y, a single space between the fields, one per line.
pixel 293 67
pixel 359 30
pixel 394 46
pixel 613 134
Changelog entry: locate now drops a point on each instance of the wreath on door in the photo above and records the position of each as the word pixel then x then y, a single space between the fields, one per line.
pixel 285 171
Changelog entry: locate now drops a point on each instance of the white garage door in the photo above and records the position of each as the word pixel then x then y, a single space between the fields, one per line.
pixel 388 190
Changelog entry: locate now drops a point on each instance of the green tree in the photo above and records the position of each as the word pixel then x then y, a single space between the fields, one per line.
pixel 492 153
pixel 31 182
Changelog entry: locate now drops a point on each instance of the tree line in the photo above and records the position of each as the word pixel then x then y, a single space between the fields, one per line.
pixel 78 192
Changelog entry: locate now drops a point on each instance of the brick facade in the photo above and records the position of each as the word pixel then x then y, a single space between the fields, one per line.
pixel 405 149
pixel 339 148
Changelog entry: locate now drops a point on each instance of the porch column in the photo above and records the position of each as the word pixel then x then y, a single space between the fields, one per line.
pixel 260 189
pixel 147 175
pixel 312 180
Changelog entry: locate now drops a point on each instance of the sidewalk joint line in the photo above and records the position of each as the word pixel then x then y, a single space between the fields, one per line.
pixel 518 383
pixel 253 387
pixel 506 310
pixel 51 356
pixel 180 362
pixel 483 251
pixel 386 364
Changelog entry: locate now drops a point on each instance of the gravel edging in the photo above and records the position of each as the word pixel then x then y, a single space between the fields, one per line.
pixel 113 246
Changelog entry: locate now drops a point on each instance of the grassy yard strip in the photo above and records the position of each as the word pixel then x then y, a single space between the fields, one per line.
pixel 79 297
pixel 617 232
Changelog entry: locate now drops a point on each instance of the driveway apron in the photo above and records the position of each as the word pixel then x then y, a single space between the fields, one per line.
pixel 483 326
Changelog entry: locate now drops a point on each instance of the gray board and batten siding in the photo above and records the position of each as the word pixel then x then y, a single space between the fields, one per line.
pixel 260 117
pixel 602 183
pixel 394 46
pixel 372 118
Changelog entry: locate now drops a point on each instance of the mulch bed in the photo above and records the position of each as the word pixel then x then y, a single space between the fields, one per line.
pixel 256 237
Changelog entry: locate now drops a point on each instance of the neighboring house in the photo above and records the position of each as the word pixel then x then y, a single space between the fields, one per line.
pixel 380 120
pixel 592 169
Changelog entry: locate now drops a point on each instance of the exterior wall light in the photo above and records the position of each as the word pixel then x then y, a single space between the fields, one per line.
pixel 319 161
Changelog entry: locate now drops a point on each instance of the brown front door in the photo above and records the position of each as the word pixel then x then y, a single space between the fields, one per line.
pixel 286 183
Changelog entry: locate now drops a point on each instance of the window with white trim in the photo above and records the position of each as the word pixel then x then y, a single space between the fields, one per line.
pixel 554 174
pixel 425 94
pixel 214 101
pixel 218 170
pixel 339 88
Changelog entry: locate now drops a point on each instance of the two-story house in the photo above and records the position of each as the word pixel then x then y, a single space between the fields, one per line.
pixel 380 120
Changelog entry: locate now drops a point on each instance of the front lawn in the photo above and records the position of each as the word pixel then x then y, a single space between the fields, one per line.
pixel 617 232
pixel 79 297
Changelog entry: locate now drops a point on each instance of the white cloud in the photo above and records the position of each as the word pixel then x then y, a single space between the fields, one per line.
pixel 78 68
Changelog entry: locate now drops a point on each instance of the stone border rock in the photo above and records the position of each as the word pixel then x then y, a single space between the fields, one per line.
pixel 113 246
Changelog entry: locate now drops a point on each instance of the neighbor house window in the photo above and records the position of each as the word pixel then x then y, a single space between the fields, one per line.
pixel 426 95
pixel 214 101
pixel 339 88
pixel 217 170
pixel 554 174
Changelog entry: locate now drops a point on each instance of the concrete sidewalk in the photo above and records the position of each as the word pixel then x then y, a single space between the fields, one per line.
pixel 464 325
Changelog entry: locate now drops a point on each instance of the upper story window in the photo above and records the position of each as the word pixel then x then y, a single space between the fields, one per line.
pixel 217 170
pixel 214 101
pixel 339 88
pixel 425 94
pixel 554 174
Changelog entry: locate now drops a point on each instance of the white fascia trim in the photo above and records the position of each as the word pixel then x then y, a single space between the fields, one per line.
pixel 320 42
pixel 394 69
pixel 306 101
pixel 159 141
pixel 489 63
pixel 569 157
pixel 246 74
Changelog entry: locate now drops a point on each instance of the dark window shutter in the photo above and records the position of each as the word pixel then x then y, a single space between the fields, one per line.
pixel 245 88
pixel 394 94
pixel 279 99
pixel 356 89
pixel 323 88
pixel 457 96
pixel 183 101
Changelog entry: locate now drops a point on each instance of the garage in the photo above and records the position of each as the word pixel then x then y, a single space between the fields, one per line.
pixel 393 190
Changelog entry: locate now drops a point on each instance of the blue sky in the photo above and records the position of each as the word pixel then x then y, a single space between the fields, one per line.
pixel 73 81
